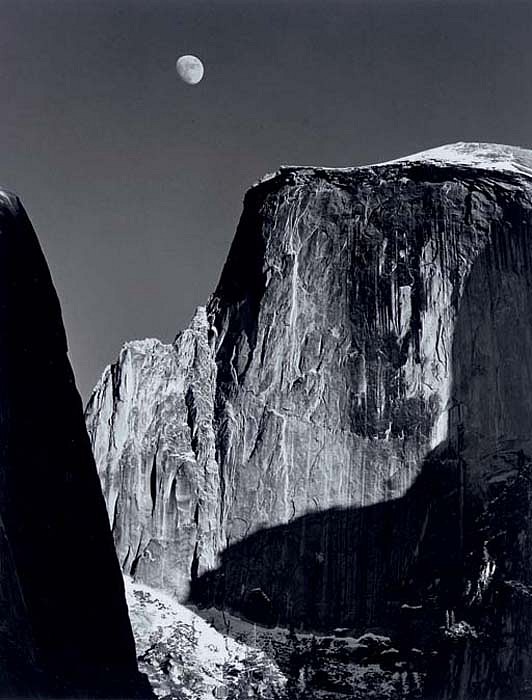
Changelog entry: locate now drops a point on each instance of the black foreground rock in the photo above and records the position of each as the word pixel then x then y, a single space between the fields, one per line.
pixel 343 437
pixel 64 628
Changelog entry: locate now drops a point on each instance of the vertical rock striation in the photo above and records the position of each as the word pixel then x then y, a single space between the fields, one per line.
pixel 65 630
pixel 342 437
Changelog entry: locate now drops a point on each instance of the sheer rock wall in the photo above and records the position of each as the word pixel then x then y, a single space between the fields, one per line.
pixel 327 441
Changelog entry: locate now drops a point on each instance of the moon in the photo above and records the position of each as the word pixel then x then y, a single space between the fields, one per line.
pixel 190 69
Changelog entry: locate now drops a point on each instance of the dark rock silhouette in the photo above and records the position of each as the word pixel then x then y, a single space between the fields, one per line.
pixel 343 437
pixel 65 630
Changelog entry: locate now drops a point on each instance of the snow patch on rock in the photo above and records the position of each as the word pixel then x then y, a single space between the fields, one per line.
pixel 488 156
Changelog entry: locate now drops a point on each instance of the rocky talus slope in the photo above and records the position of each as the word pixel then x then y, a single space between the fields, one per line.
pixel 342 437
pixel 64 629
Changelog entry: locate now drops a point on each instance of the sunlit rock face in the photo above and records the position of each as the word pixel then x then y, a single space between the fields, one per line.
pixel 334 344
pixel 361 381
pixel 151 419
pixel 64 628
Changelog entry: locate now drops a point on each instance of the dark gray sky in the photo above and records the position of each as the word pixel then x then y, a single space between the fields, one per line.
pixel 135 180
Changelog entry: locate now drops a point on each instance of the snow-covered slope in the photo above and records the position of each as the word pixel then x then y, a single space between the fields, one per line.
pixel 186 658
pixel 488 156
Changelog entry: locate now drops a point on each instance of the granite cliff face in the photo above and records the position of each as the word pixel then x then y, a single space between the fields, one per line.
pixel 65 630
pixel 343 436
pixel 152 422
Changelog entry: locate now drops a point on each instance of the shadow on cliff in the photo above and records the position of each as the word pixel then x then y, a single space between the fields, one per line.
pixel 403 565
pixel 344 567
